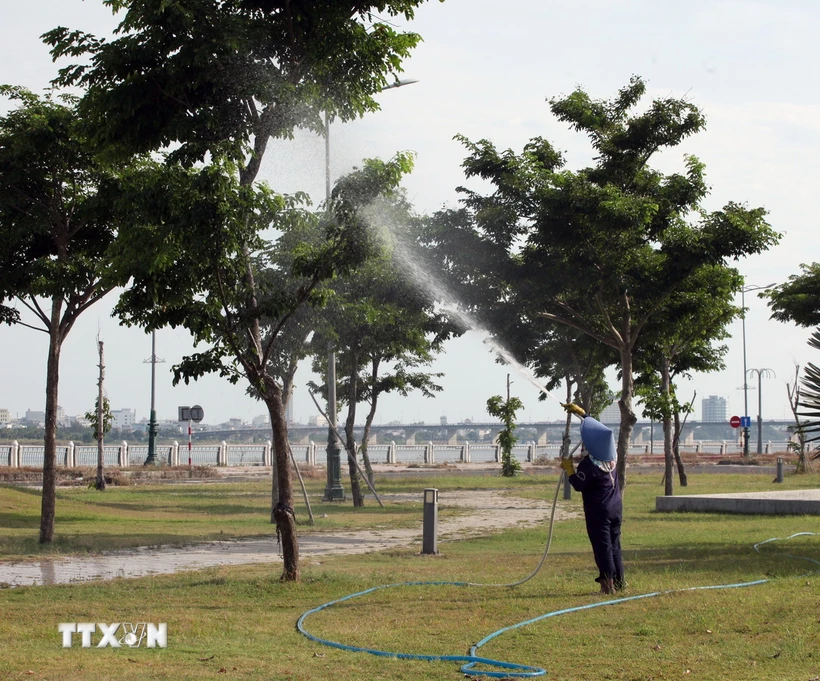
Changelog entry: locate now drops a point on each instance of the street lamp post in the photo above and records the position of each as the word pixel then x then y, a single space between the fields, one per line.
pixel 761 374
pixel 745 374
pixel 334 490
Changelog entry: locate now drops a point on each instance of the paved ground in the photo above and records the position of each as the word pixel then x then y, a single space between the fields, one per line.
pixel 485 512
pixel 787 502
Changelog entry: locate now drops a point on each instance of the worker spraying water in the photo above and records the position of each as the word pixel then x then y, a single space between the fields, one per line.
pixel 597 480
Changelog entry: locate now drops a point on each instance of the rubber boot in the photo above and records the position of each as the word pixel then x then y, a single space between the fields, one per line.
pixel 607 585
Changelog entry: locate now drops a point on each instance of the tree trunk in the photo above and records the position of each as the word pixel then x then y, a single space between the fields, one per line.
pixel 668 457
pixel 287 395
pixel 350 440
pixel 684 481
pixel 283 513
pixel 628 418
pixel 100 484
pixel 50 438
pixel 274 488
pixel 368 422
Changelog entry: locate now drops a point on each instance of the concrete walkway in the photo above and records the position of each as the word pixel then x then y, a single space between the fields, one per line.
pixel 787 502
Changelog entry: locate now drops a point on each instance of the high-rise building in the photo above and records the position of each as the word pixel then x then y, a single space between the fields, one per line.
pixel 713 409
pixel 123 418
pixel 5 417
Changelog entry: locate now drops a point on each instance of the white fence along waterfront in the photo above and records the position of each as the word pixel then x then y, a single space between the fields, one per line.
pixel 123 455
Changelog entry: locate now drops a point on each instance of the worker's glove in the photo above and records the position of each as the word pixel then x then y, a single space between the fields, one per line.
pixel 566 464
pixel 574 409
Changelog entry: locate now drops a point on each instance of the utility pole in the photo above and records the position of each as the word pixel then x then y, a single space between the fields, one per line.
pixel 151 459
pixel 761 374
pixel 100 483
pixel 743 291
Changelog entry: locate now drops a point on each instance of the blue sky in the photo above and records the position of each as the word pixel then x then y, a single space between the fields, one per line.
pixel 485 70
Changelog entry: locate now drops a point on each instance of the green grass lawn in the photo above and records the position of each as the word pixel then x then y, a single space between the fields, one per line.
pixel 239 622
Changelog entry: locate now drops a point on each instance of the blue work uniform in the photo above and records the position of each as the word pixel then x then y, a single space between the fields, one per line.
pixel 603 509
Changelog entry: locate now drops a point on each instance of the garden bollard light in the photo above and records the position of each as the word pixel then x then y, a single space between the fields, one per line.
pixel 429 543
pixel 779 477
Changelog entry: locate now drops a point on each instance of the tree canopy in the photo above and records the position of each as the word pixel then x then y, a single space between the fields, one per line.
pixel 221 77
pixel 602 249
pixel 58 217
pixel 798 300
pixel 207 83
pixel 385 330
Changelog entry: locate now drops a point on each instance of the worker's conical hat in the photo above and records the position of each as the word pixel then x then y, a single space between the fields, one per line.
pixel 598 439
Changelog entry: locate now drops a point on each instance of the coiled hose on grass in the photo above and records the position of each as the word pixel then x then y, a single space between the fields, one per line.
pixel 512 669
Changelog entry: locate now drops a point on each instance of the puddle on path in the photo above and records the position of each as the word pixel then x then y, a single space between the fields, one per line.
pixel 165 560
pixel 487 512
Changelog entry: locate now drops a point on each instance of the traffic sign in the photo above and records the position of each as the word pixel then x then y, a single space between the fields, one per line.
pixel 745 421
pixel 195 413
pixel 734 422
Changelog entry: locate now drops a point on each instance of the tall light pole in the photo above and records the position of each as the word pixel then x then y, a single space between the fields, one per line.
pixel 761 374
pixel 151 460
pixel 334 490
pixel 743 291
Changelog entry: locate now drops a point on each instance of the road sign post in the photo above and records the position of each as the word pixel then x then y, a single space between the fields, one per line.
pixel 195 414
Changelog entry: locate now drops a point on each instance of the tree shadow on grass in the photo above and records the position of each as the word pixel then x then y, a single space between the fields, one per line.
pixel 19 520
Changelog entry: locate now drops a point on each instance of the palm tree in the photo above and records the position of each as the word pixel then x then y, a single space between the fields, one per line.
pixel 810 398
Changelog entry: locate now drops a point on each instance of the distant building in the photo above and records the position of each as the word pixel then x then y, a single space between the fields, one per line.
pixel 612 414
pixel 123 419
pixel 36 417
pixel 5 417
pixel 317 420
pixel 443 420
pixel 289 410
pixel 260 421
pixel 713 409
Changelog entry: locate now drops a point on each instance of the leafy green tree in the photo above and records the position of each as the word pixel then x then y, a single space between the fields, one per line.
pixel 221 77
pixel 108 419
pixel 798 300
pixel 192 256
pixel 680 339
pixel 385 330
pixel 210 82
pixel 57 218
pixel 602 249
pixel 505 410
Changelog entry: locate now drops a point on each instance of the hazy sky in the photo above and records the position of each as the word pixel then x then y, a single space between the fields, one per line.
pixel 485 70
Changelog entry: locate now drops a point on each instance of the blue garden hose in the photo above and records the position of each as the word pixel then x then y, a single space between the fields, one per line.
pixel 515 670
